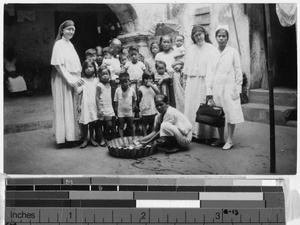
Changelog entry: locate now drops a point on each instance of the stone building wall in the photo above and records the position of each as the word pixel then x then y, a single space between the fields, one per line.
pixel 34 39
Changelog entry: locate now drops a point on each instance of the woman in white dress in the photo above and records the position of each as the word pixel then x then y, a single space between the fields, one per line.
pixel 224 86
pixel 197 66
pixel 65 78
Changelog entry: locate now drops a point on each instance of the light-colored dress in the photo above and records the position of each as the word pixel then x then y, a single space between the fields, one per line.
pixel 16 84
pixel 88 106
pixel 66 126
pixel 198 63
pixel 168 58
pixel 147 104
pixel 125 101
pixel 225 85
pixel 104 96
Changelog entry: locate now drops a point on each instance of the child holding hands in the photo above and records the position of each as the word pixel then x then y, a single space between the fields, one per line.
pixel 87 108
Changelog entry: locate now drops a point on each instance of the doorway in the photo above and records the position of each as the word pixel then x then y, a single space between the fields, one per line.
pixel 284 52
pixel 96 25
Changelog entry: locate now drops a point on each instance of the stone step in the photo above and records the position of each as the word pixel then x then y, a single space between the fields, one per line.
pixel 282 96
pixel 260 113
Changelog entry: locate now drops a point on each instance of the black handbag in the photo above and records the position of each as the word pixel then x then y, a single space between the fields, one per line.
pixel 211 115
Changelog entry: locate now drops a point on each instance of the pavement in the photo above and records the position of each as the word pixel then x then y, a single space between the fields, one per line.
pixel 29 148
pixel 34 152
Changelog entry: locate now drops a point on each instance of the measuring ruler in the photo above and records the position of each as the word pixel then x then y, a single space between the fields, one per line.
pixel 144 201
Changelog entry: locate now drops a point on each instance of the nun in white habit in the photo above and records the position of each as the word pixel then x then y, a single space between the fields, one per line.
pixel 65 78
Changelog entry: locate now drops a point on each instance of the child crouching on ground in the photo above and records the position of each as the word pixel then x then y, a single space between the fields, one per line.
pixel 87 108
pixel 104 107
pixel 146 94
pixel 125 102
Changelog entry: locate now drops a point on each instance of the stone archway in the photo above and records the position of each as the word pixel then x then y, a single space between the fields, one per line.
pixel 130 31
pixel 127 16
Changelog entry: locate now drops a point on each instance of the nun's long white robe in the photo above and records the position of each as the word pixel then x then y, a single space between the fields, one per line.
pixel 197 66
pixel 64 101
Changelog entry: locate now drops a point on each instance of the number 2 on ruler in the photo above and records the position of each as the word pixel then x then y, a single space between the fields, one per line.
pixel 143 215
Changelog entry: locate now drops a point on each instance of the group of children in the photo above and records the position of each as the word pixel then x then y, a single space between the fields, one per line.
pixel 119 89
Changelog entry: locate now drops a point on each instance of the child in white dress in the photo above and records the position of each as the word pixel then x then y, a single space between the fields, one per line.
pixel 104 107
pixel 87 108
pixel 146 94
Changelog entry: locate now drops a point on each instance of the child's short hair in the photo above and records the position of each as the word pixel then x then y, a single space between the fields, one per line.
pixel 179 35
pixel 104 67
pixel 163 97
pixel 99 49
pixel 133 48
pixel 160 63
pixel 122 55
pixel 90 52
pixel 85 64
pixel 124 75
pixel 147 75
pixel 109 50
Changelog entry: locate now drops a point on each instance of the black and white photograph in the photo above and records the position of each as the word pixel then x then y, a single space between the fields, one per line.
pixel 150 88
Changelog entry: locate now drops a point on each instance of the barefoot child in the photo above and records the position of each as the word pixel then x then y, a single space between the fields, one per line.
pixel 87 108
pixel 146 94
pixel 125 102
pixel 104 107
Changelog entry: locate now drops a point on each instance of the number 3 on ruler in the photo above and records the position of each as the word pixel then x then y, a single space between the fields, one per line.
pixel 218 216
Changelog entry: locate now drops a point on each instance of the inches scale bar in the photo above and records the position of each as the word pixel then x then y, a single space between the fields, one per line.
pixel 144 201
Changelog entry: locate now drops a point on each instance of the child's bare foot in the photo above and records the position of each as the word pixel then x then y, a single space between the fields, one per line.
pixel 102 143
pixel 84 144
pixel 93 143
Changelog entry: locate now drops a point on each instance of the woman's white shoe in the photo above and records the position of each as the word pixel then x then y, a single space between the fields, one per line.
pixel 228 145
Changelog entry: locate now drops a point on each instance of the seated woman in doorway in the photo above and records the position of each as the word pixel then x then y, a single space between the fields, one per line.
pixel 16 85
pixel 172 129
